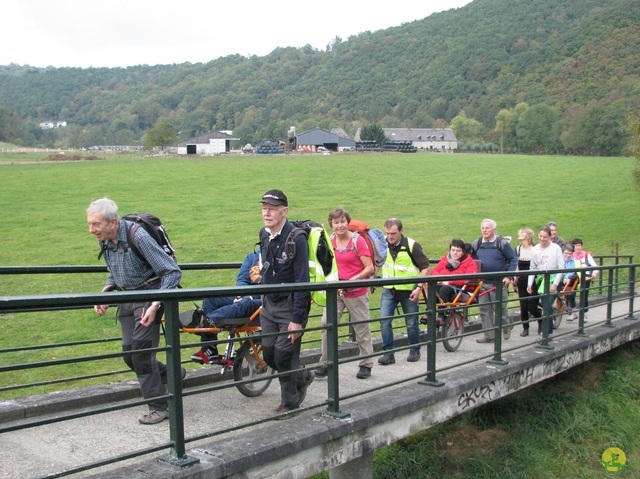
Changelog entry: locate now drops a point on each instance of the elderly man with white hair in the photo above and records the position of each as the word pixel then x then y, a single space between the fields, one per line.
pixel 496 255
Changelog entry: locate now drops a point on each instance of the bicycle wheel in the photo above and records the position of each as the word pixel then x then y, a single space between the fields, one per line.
pixel 453 330
pixel 250 365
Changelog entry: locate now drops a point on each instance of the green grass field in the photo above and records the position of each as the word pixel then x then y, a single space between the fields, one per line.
pixel 211 209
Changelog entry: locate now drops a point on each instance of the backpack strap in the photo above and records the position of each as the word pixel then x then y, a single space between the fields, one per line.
pixel 131 234
pixel 290 246
pixel 405 244
pixel 354 242
pixel 499 242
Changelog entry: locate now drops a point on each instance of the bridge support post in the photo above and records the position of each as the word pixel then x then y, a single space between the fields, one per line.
pixel 360 468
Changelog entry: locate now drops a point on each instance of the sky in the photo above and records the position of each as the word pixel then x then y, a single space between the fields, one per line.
pixel 119 33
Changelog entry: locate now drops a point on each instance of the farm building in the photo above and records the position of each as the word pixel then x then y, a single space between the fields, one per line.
pixel 212 143
pixel 431 139
pixel 312 139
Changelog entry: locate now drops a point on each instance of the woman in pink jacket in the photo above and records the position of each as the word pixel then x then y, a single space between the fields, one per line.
pixel 456 261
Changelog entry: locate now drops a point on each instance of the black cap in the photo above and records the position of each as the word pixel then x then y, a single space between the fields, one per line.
pixel 275 197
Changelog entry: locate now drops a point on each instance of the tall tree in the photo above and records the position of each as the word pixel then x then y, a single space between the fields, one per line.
pixel 633 129
pixel 373 133
pixel 161 135
pixel 539 130
pixel 466 129
pixel 10 128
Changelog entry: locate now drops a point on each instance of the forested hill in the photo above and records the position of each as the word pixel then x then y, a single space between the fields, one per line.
pixel 569 59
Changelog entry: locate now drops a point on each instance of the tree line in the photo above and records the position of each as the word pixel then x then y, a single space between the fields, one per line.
pixel 542 76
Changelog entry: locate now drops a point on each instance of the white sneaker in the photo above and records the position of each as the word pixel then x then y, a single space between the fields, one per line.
pixel 572 317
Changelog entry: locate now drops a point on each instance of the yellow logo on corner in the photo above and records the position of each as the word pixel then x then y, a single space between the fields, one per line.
pixel 614 460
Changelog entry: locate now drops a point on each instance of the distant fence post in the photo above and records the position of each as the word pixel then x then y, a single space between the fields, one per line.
pixel 632 291
pixel 610 287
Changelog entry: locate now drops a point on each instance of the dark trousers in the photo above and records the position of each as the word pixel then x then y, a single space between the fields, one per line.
pixel 528 306
pixel 279 352
pixel 151 373
pixel 539 312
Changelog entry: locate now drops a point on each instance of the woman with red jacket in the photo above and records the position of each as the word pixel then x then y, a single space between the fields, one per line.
pixel 456 261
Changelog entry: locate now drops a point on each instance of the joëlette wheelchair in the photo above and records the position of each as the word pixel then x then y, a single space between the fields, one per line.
pixel 243 351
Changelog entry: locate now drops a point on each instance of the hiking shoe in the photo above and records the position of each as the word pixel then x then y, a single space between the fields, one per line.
pixel 205 356
pixel 302 389
pixel 484 340
pixel 413 356
pixel 506 334
pixel 321 372
pixel 282 410
pixel 154 417
pixel 364 372
pixel 386 359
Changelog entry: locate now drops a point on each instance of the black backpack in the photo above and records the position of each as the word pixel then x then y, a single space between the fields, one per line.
pixel 324 251
pixel 152 225
pixel 473 248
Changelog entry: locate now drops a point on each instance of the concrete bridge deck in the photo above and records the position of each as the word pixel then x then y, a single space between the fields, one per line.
pixel 309 442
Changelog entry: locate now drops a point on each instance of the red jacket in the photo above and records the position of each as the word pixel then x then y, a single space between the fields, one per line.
pixel 466 266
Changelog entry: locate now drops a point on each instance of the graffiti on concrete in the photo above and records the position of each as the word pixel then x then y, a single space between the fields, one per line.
pixel 533 374
pixel 481 393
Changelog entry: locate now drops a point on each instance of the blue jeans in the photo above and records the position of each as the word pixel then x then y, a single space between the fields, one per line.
pixel 210 305
pixel 388 306
pixel 226 307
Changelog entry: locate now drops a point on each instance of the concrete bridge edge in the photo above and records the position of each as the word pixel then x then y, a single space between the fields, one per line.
pixel 310 443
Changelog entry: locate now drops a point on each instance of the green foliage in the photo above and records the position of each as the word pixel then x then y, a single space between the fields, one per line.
pixel 491 55
pixel 466 129
pixel 161 135
pixel 633 127
pixel 373 133
pixel 538 131
pixel 9 126
pixel 569 420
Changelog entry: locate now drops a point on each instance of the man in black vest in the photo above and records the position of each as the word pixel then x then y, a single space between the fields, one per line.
pixel 284 311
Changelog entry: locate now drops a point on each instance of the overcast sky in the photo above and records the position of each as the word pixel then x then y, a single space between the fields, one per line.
pixel 85 33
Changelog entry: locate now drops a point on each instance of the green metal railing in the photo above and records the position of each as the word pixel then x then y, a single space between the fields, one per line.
pixel 610 278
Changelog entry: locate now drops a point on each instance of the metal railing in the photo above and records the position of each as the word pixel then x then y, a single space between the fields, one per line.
pixel 614 279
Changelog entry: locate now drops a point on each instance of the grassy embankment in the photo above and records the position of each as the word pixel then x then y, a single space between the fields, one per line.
pixel 557 429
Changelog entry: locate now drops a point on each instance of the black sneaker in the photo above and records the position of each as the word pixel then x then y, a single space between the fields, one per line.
pixel 386 359
pixel 321 372
pixel 199 320
pixel 205 356
pixel 302 388
pixel 413 356
pixel 364 372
